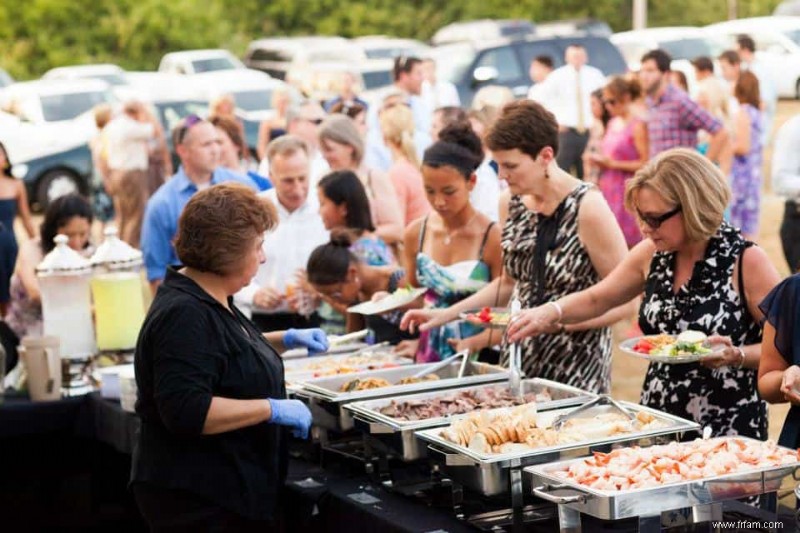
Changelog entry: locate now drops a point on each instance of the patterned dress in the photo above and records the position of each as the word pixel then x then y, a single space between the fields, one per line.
pixel 581 358
pixel 726 399
pixel 448 284
pixel 746 178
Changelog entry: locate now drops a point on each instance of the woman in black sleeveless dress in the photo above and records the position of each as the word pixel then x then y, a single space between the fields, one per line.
pixel 697 273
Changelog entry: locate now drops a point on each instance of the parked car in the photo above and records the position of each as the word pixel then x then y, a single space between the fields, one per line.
pixel 470 66
pixel 790 8
pixel 113 75
pixel 383 47
pixel 320 82
pixel 53 100
pixel 483 30
pixel 5 79
pixel 278 56
pixel 198 61
pixel 568 27
pixel 777 47
pixel 251 90
pixel 54 174
pixel 683 43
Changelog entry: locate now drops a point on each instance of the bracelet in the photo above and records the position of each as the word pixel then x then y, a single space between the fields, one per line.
pixel 558 309
pixel 742 355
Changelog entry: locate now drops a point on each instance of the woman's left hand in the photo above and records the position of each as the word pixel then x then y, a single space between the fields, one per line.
pixel 730 355
pixel 790 384
pixel 532 322
pixel 313 339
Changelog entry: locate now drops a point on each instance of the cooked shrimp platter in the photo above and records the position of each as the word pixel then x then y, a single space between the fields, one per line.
pixel 638 468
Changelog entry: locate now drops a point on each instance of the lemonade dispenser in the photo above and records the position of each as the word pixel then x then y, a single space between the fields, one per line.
pixel 66 300
pixel 117 291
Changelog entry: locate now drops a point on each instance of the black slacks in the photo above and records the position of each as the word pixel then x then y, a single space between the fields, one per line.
pixel 790 235
pixel 571 145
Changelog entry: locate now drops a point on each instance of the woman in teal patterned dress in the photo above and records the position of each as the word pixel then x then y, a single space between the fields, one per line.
pixel 455 250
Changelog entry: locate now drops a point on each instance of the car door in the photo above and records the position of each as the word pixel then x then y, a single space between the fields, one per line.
pixel 500 66
pixel 778 60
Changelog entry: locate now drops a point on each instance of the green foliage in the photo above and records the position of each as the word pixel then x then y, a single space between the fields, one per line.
pixel 36 35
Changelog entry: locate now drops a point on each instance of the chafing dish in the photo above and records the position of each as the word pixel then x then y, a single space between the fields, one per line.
pixel 399 435
pixel 325 398
pixel 303 369
pixel 703 495
pixel 493 474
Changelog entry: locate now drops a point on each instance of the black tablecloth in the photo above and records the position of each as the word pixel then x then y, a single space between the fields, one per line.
pixel 85 443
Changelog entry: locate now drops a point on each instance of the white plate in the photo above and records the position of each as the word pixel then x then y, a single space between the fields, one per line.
pixel 469 316
pixel 627 347
pixel 391 302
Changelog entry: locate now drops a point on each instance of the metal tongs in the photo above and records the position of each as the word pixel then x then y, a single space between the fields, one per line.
pixel 349 337
pixel 444 363
pixel 514 356
pixel 603 399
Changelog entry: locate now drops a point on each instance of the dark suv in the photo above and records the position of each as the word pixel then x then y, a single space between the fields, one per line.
pixel 472 65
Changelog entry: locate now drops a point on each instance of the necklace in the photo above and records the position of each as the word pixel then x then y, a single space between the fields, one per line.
pixel 448 238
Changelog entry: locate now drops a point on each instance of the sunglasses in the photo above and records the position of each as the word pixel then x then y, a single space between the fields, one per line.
pixel 314 121
pixel 609 101
pixel 185 126
pixel 655 221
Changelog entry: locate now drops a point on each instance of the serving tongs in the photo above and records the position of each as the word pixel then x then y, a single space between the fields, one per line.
pixel 603 399
pixel 444 363
pixel 349 337
pixel 514 356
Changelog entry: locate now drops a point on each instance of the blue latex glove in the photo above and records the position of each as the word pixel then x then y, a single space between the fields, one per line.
pixel 314 339
pixel 292 413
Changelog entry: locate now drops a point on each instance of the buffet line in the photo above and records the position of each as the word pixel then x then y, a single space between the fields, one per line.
pixel 543 449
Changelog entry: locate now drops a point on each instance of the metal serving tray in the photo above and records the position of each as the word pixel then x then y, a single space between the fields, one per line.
pixel 652 501
pixel 296 370
pixel 326 401
pixel 489 473
pixel 399 435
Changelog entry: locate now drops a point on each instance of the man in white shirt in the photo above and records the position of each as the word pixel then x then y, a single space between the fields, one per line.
pixel 766 84
pixel 437 93
pixel 276 296
pixel 303 121
pixel 786 182
pixel 540 69
pixel 567 94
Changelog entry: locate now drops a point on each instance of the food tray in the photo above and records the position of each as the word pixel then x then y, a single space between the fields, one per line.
pixel 489 473
pixel 652 501
pixel 398 435
pixel 326 400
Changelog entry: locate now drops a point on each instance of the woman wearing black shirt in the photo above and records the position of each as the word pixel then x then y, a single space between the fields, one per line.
pixel 211 453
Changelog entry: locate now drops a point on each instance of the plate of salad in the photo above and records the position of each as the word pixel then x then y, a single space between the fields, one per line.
pixel 688 347
pixel 399 298
pixel 488 317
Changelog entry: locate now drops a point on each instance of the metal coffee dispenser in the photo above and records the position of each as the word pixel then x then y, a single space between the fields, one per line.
pixel 117 291
pixel 63 277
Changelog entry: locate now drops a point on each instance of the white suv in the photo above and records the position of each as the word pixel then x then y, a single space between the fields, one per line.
pixel 198 61
pixel 777 47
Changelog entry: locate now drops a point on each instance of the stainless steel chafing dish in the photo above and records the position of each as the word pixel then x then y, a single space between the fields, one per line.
pixel 399 435
pixel 493 474
pixel 298 370
pixel 326 400
pixel 704 496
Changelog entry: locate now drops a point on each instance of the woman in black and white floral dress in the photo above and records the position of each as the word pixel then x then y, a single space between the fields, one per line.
pixel 697 273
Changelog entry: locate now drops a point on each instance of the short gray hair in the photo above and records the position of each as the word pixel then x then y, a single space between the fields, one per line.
pixel 286 145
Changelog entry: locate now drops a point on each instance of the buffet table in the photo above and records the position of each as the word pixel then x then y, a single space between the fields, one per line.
pixel 89 439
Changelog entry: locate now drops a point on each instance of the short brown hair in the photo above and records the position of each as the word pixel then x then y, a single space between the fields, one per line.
pixel 685 178
pixel 620 86
pixel 731 56
pixel 219 224
pixel 526 126
pixel 747 90
pixel 231 127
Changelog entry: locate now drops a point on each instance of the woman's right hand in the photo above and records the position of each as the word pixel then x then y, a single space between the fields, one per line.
pixel 790 384
pixel 424 319
pixel 292 413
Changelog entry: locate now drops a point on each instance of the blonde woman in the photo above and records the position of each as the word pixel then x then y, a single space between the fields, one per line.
pixel 274 127
pixel 343 148
pixel 397 128
pixel 698 273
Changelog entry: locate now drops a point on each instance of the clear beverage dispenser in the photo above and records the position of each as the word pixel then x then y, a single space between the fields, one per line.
pixel 117 290
pixel 67 308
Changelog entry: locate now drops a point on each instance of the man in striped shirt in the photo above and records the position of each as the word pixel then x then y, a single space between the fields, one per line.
pixel 674 118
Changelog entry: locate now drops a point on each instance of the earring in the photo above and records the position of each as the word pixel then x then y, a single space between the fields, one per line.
pixel 546 173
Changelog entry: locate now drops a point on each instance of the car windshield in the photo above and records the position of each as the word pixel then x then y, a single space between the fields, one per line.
pixel 111 79
pixel 687 48
pixel 68 106
pixel 259 100
pixel 212 64
pixel 794 35
pixel 170 113
pixel 390 52
pixel 453 60
pixel 376 79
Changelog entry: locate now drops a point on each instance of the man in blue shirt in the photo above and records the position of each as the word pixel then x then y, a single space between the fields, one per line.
pixel 197 143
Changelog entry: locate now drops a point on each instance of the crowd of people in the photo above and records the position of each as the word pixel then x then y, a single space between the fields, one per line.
pixel 591 200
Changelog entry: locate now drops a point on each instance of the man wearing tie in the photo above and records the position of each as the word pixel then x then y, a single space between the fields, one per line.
pixel 567 94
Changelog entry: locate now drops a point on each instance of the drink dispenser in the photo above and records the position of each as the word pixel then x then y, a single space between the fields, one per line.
pixel 117 291
pixel 66 300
